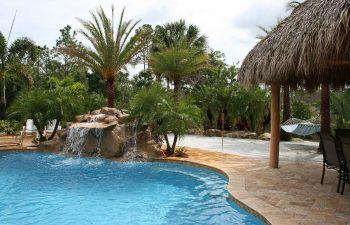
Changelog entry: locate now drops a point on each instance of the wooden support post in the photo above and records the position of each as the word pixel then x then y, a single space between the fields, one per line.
pixel 275 125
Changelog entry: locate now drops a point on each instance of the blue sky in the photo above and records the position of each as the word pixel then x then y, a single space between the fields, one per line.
pixel 230 25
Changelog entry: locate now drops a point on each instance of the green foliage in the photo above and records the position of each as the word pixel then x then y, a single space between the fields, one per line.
pixel 143 79
pixel 156 107
pixel 301 110
pixel 10 127
pixel 123 91
pixel 112 49
pixel 180 151
pixel 35 105
pixel 340 109
pixel 178 63
pixel 62 103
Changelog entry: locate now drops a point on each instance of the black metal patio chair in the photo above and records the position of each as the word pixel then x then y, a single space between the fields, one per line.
pixel 344 147
pixel 330 155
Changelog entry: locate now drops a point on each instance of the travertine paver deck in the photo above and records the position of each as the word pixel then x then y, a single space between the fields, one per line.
pixel 291 194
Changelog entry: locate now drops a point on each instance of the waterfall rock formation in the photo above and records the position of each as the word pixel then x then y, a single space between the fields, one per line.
pixel 104 132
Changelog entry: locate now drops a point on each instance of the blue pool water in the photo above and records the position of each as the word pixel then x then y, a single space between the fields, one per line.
pixel 39 188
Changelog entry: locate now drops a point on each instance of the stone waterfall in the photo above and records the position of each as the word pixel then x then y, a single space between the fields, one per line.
pixel 104 133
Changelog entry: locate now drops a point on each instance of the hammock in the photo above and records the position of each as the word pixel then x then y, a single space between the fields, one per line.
pixel 300 127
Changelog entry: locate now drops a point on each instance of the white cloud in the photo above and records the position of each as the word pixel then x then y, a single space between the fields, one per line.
pixel 230 25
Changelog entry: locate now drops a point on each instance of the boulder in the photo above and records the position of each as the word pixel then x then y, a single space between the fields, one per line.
pixel 96 112
pixel 250 135
pixel 195 132
pixel 110 111
pixel 110 119
pixel 265 136
pixel 97 118
pixel 113 142
pixel 213 133
pixel 55 145
pixel 144 137
pixel 123 117
pixel 81 118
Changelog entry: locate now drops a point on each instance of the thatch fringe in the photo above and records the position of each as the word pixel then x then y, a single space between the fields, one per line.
pixel 310 46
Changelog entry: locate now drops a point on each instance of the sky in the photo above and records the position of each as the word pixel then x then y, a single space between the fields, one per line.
pixel 230 25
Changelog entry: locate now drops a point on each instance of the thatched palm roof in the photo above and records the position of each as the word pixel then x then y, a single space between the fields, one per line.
pixel 312 45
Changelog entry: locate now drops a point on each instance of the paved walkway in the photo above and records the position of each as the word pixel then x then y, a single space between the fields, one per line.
pixel 291 194
pixel 294 151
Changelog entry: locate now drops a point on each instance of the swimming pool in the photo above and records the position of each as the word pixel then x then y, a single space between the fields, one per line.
pixel 41 188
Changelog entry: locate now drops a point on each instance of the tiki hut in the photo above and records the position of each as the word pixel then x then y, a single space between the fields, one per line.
pixel 309 48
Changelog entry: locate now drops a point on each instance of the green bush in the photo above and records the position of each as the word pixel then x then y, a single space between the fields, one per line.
pixel 9 126
pixel 156 107
pixel 301 110
pixel 340 109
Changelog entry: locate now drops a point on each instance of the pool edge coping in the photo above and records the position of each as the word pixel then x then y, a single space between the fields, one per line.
pixel 241 197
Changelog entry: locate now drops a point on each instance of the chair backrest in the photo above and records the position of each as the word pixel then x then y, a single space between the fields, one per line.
pixel 342 133
pixel 344 143
pixel 329 149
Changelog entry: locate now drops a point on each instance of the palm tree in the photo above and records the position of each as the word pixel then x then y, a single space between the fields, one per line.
pixel 155 107
pixel 178 63
pixel 112 49
pixel 17 59
pixel 175 35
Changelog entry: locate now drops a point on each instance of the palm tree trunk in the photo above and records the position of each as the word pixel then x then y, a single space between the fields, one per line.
pixel 286 112
pixel 176 90
pixel 325 115
pixel 41 135
pixel 158 77
pixel 54 130
pixel 3 97
pixel 110 92
pixel 168 148
pixel 174 144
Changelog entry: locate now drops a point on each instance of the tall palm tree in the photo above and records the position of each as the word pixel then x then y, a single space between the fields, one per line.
pixel 18 59
pixel 112 48
pixel 178 52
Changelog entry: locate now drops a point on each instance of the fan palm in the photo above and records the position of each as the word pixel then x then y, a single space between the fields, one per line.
pixel 174 34
pixel 112 49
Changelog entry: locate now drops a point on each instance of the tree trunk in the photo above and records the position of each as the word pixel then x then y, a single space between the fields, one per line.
pixel 110 92
pixel 168 148
pixel 167 84
pixel 41 136
pixel 286 112
pixel 174 144
pixel 176 90
pixel 158 77
pixel 55 129
pixel 325 115
pixel 3 97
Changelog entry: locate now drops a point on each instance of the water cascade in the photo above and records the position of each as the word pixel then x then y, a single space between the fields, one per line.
pixel 78 140
pixel 131 150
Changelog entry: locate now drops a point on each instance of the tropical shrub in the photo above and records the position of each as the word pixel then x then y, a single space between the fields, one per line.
pixel 9 126
pixel 301 110
pixel 165 115
pixel 340 109
pixel 35 105
pixel 62 103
